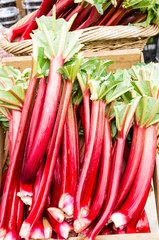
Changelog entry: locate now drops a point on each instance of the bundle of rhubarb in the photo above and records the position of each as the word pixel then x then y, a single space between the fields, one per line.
pixel 80 141
pixel 92 13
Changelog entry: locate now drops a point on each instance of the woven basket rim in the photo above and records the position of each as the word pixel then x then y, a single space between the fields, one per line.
pixel 91 34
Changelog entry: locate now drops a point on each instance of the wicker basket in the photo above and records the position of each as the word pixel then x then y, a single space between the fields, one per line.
pixel 94 38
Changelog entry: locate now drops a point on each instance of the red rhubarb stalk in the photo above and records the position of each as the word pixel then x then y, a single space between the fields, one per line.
pixel 61 7
pixel 46 181
pixel 93 16
pixel 77 10
pixel 81 17
pixel 69 163
pixel 137 197
pixel 45 7
pixel 57 57
pixel 132 164
pixel 11 34
pixel 53 209
pixel 139 224
pixel 43 133
pixel 103 180
pixel 89 185
pixel 110 13
pixel 123 128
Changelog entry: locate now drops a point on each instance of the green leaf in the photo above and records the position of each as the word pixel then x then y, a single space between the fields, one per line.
pixel 55 43
pixel 121 86
pixel 147 112
pixel 71 68
pixel 124 115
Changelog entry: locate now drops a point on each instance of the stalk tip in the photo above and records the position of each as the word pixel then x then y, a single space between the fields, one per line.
pixel 25 230
pixel 80 224
pixel 120 220
pixel 56 213
pixel 66 203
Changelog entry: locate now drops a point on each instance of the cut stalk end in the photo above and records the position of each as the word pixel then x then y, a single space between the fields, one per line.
pixel 66 203
pixel 63 229
pixel 2 233
pixel 11 235
pixel 56 213
pixel 120 220
pixel 80 224
pixel 25 230
pixel 47 228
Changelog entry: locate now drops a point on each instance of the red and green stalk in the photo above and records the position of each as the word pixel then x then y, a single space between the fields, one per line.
pixel 102 183
pixel 140 189
pixel 132 164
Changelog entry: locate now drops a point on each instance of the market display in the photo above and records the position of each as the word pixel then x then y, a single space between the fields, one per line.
pixel 79 138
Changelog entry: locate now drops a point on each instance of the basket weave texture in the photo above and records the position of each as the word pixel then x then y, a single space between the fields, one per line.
pixel 94 38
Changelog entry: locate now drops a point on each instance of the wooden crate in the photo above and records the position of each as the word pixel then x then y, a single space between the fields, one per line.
pixel 123 59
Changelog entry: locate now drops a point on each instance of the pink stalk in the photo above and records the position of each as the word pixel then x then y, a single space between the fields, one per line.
pixel 81 17
pixel 45 7
pixel 132 165
pixel 61 7
pixel 46 123
pixel 6 148
pixel 77 139
pixel 85 188
pixel 20 213
pixel 37 111
pixel 90 183
pixel 69 163
pixel 46 181
pixel 18 151
pixel 87 158
pixel 103 179
pixel 137 197
pixel 77 10
pixel 11 34
pixel 53 209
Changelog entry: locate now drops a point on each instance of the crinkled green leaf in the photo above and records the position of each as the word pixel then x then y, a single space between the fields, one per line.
pixel 55 42
pixel 147 112
pixel 71 68
pixel 123 86
pixel 124 115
